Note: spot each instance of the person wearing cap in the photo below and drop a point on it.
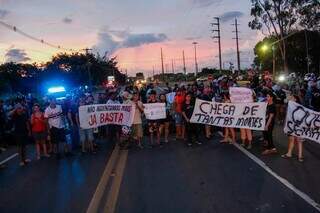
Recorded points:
(22, 130)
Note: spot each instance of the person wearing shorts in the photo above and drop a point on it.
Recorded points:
(55, 120)
(39, 131)
(137, 130)
(179, 121)
(153, 125)
(85, 135)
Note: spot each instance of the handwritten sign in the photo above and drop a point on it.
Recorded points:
(235, 115)
(92, 116)
(240, 95)
(155, 111)
(302, 122)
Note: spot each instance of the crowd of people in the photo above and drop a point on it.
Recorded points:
(53, 125)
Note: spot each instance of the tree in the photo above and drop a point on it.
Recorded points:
(76, 69)
(296, 57)
(280, 17)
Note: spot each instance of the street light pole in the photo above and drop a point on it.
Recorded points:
(273, 62)
(195, 56)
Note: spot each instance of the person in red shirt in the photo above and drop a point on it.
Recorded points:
(39, 130)
(177, 105)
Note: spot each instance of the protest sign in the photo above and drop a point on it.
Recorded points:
(240, 95)
(302, 122)
(92, 116)
(236, 115)
(155, 111)
(170, 97)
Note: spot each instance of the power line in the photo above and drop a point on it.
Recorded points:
(42, 41)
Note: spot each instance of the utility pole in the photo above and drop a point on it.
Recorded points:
(153, 71)
(195, 57)
(217, 30)
(237, 42)
(184, 64)
(162, 65)
(89, 67)
(172, 66)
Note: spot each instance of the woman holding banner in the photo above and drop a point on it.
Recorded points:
(294, 140)
(270, 121)
(153, 125)
(228, 130)
(164, 123)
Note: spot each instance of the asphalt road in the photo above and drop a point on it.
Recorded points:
(51, 185)
(175, 178)
(208, 178)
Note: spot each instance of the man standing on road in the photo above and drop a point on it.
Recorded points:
(22, 130)
(55, 120)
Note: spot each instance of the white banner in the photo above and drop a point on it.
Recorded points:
(170, 97)
(92, 116)
(235, 115)
(155, 111)
(240, 95)
(302, 122)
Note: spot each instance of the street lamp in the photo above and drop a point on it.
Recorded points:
(264, 49)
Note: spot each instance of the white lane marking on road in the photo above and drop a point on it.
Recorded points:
(281, 179)
(112, 198)
(9, 158)
(96, 199)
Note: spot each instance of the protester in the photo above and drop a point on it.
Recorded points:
(56, 125)
(22, 131)
(137, 130)
(165, 123)
(228, 130)
(191, 128)
(270, 122)
(153, 125)
(295, 140)
(85, 135)
(39, 130)
(179, 121)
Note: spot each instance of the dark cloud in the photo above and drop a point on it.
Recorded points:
(3, 13)
(106, 43)
(16, 55)
(135, 40)
(193, 38)
(228, 16)
(204, 3)
(67, 20)
(111, 40)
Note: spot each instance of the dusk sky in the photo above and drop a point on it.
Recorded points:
(132, 30)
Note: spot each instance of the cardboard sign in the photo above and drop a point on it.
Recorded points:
(240, 95)
(155, 111)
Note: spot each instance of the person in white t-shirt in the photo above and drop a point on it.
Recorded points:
(137, 130)
(56, 123)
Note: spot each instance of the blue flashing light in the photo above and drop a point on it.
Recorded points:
(56, 89)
